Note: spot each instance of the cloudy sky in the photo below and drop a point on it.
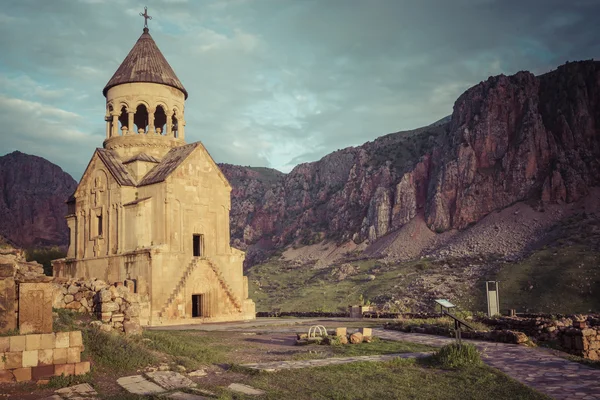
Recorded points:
(273, 82)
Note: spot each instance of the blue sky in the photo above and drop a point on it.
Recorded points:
(273, 82)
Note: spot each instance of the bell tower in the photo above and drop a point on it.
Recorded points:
(144, 103)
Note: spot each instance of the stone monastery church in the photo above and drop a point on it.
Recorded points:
(155, 210)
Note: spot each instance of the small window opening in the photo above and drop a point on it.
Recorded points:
(160, 120)
(99, 220)
(198, 245)
(140, 119)
(197, 305)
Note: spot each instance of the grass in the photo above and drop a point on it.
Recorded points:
(377, 346)
(187, 347)
(457, 355)
(279, 285)
(443, 322)
(556, 280)
(397, 379)
(117, 353)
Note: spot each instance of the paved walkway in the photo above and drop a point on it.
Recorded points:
(539, 369)
(278, 365)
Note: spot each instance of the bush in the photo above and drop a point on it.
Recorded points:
(458, 356)
(44, 256)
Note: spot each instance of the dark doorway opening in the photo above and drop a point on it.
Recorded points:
(197, 305)
(198, 245)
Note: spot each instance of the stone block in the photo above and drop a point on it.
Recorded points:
(33, 342)
(74, 305)
(129, 284)
(69, 299)
(64, 369)
(46, 357)
(110, 306)
(105, 295)
(4, 344)
(132, 328)
(62, 340)
(73, 289)
(30, 358)
(106, 316)
(42, 372)
(341, 331)
(14, 359)
(73, 355)
(75, 339)
(6, 376)
(118, 318)
(47, 341)
(366, 331)
(22, 374)
(82, 368)
(8, 317)
(35, 307)
(356, 338)
(60, 356)
(17, 343)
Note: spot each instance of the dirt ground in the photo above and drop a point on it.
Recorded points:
(245, 345)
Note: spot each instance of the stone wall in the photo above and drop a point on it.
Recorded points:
(41, 356)
(576, 334)
(500, 335)
(116, 306)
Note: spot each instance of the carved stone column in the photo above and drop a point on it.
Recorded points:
(115, 124)
(169, 123)
(130, 124)
(182, 129)
(107, 119)
(151, 129)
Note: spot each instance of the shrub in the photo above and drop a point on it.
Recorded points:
(44, 256)
(458, 356)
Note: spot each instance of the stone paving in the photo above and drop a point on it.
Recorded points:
(78, 392)
(245, 389)
(549, 374)
(170, 380)
(137, 384)
(278, 365)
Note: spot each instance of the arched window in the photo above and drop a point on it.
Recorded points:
(140, 118)
(123, 119)
(160, 120)
(174, 126)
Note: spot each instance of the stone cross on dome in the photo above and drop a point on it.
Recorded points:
(146, 17)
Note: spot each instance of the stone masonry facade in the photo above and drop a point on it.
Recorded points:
(41, 356)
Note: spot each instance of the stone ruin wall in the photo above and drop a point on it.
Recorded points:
(575, 334)
(120, 306)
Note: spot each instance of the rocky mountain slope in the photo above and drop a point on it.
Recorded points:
(510, 139)
(32, 201)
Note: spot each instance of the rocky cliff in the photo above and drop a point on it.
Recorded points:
(509, 139)
(32, 201)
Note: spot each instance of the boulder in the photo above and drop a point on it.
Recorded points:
(132, 328)
(356, 338)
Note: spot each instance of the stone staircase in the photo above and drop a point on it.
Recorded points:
(190, 268)
(232, 297)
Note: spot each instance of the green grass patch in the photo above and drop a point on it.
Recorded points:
(57, 382)
(398, 379)
(378, 346)
(189, 348)
(457, 355)
(556, 280)
(442, 322)
(115, 352)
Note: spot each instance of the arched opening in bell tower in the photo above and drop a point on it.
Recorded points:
(123, 119)
(174, 127)
(160, 120)
(141, 118)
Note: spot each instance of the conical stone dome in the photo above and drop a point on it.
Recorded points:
(145, 63)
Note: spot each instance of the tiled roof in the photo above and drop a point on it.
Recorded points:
(168, 164)
(142, 157)
(115, 166)
(145, 63)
